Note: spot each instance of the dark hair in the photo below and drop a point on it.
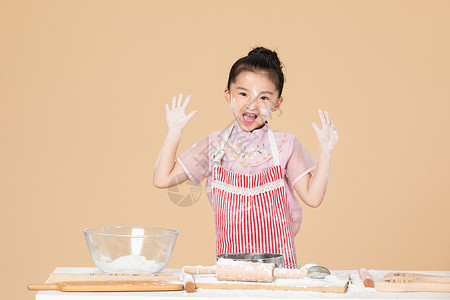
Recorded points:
(257, 60)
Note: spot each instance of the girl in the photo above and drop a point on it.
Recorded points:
(250, 170)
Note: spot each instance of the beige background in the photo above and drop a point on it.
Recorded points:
(82, 91)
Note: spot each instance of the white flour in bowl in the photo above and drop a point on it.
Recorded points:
(131, 264)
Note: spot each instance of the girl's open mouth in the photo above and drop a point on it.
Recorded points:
(249, 118)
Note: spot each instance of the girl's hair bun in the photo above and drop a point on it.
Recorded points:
(259, 59)
(272, 55)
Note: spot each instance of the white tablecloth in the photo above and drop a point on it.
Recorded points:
(355, 291)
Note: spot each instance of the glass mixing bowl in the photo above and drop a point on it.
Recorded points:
(130, 249)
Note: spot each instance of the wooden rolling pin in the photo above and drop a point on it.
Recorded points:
(365, 277)
(232, 270)
(188, 282)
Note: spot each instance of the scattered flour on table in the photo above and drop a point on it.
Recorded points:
(331, 280)
(131, 264)
(355, 288)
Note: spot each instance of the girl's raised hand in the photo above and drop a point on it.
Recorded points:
(327, 135)
(176, 117)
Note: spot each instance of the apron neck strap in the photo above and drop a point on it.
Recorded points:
(226, 137)
(273, 147)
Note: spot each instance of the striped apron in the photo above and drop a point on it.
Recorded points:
(252, 214)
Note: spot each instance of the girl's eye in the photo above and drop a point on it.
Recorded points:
(243, 94)
(264, 98)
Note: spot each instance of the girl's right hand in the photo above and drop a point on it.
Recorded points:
(176, 117)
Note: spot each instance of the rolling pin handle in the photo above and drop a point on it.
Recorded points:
(199, 270)
(189, 283)
(42, 287)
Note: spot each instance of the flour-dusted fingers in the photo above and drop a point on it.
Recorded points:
(331, 124)
(174, 102)
(167, 110)
(180, 100)
(190, 115)
(316, 128)
(322, 119)
(186, 102)
(176, 117)
(334, 136)
(326, 135)
(327, 118)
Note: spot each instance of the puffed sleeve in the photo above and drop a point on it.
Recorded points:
(300, 163)
(195, 161)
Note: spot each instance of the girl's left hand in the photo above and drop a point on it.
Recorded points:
(327, 135)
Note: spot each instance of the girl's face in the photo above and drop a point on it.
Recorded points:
(253, 98)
